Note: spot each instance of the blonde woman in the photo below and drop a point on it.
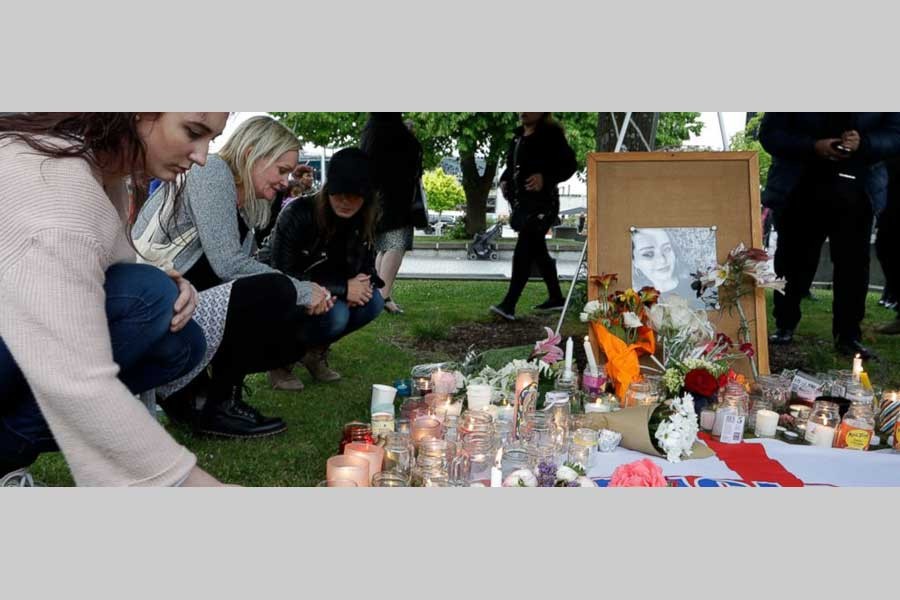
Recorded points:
(209, 237)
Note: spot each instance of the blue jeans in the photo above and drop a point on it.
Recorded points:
(341, 320)
(139, 302)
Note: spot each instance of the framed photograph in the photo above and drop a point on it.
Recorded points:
(665, 258)
(656, 217)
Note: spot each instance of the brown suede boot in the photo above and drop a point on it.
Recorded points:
(284, 379)
(316, 360)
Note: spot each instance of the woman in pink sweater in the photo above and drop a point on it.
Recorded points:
(82, 328)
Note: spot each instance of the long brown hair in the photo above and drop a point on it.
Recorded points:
(109, 142)
(327, 221)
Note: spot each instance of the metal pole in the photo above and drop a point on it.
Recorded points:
(722, 130)
(622, 132)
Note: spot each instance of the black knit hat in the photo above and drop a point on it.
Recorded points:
(349, 172)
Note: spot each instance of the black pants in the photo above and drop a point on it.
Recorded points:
(262, 314)
(840, 210)
(531, 248)
(888, 232)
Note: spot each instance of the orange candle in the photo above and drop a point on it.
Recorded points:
(373, 454)
(349, 468)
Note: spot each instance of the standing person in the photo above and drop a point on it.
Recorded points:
(83, 329)
(330, 239)
(396, 157)
(827, 180)
(210, 236)
(538, 159)
(888, 233)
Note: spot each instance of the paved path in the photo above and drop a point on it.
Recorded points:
(453, 264)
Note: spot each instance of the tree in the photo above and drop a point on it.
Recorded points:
(444, 192)
(747, 140)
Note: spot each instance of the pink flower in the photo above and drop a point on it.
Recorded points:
(640, 473)
(548, 350)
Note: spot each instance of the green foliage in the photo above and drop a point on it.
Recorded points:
(458, 230)
(677, 127)
(444, 192)
(746, 140)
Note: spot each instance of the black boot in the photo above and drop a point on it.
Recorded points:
(234, 418)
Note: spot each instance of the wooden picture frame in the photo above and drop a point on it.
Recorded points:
(677, 189)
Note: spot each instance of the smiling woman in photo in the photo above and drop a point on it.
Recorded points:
(665, 258)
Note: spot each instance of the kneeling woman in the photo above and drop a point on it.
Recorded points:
(245, 304)
(329, 239)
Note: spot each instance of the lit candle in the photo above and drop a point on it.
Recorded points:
(707, 419)
(592, 362)
(504, 412)
(524, 378)
(766, 423)
(570, 346)
(348, 468)
(425, 427)
(857, 367)
(598, 406)
(369, 452)
(824, 436)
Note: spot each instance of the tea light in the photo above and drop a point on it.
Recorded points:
(348, 468)
(425, 427)
(370, 452)
(597, 406)
(766, 423)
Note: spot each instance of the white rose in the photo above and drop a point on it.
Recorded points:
(525, 476)
(567, 474)
(631, 320)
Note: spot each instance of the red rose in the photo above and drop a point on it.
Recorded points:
(701, 383)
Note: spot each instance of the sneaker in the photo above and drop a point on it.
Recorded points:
(889, 328)
(237, 419)
(18, 478)
(556, 305)
(499, 309)
(284, 379)
(316, 362)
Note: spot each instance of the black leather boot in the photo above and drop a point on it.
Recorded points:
(234, 418)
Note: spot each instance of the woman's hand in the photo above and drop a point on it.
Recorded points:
(322, 301)
(359, 290)
(535, 183)
(186, 302)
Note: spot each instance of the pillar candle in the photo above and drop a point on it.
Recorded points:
(373, 454)
(348, 468)
(766, 423)
(824, 436)
(857, 367)
(592, 362)
(570, 346)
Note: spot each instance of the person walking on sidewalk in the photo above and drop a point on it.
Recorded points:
(538, 159)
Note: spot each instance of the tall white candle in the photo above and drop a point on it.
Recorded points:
(592, 362)
(857, 367)
(766, 423)
(570, 346)
(824, 436)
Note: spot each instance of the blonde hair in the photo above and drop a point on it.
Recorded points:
(257, 138)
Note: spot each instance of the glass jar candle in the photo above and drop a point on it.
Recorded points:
(425, 427)
(822, 424)
(474, 460)
(581, 450)
(412, 408)
(356, 432)
(641, 393)
(858, 425)
(351, 468)
(592, 384)
(514, 458)
(475, 421)
(370, 452)
(775, 389)
(731, 414)
(382, 424)
(759, 404)
(389, 479)
(398, 453)
(888, 410)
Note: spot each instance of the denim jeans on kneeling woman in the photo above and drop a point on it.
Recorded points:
(139, 309)
(341, 320)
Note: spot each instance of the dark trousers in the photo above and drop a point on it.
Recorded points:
(834, 208)
(886, 245)
(340, 321)
(139, 301)
(531, 248)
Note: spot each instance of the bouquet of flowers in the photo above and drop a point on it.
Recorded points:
(619, 321)
(549, 475)
(505, 378)
(668, 429)
(701, 373)
(723, 286)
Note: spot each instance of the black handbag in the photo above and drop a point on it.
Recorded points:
(419, 207)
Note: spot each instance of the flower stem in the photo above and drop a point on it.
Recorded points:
(744, 334)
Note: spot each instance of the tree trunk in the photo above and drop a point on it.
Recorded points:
(477, 188)
(606, 131)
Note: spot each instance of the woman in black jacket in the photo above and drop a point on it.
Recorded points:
(538, 159)
(396, 170)
(329, 239)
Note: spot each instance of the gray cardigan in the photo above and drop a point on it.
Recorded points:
(208, 202)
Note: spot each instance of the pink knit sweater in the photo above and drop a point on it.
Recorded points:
(59, 232)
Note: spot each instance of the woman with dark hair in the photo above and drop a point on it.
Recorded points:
(329, 239)
(396, 157)
(83, 329)
(538, 159)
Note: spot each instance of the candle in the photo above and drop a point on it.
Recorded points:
(504, 412)
(369, 452)
(592, 362)
(597, 406)
(348, 468)
(493, 410)
(444, 382)
(425, 427)
(766, 423)
(496, 471)
(570, 346)
(707, 419)
(824, 436)
(857, 367)
(720, 419)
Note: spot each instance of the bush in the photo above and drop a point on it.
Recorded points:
(457, 231)
(444, 191)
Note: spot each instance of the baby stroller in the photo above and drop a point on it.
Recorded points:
(483, 245)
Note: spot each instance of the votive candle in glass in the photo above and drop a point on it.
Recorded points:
(370, 452)
(425, 427)
(766, 423)
(350, 468)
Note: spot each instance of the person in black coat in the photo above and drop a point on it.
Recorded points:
(329, 239)
(538, 159)
(827, 180)
(888, 233)
(396, 157)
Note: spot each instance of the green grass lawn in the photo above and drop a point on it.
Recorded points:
(384, 352)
